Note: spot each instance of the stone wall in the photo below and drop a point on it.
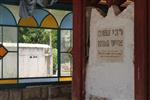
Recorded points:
(53, 92)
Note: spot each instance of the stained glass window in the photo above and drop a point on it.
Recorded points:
(37, 49)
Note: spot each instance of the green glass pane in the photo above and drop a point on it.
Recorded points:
(10, 38)
(10, 65)
(66, 40)
(66, 64)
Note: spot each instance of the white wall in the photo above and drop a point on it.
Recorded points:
(112, 80)
(34, 60)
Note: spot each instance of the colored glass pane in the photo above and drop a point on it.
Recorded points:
(62, 79)
(3, 51)
(67, 21)
(8, 81)
(6, 17)
(49, 22)
(39, 15)
(38, 80)
(28, 22)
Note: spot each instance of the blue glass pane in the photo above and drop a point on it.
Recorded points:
(6, 18)
(38, 80)
(39, 15)
(67, 21)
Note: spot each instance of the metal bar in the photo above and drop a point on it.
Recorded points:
(17, 55)
(59, 49)
(2, 58)
(12, 51)
(36, 27)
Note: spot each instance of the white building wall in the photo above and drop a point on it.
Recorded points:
(34, 60)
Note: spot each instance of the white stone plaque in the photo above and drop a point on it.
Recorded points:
(110, 45)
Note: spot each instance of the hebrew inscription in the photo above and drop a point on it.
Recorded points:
(110, 45)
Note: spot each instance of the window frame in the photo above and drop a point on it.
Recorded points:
(61, 80)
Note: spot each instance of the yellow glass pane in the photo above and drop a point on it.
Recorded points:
(62, 79)
(49, 22)
(28, 22)
(8, 81)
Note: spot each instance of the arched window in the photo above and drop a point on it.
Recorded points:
(36, 50)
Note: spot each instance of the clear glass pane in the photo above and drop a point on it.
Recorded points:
(10, 65)
(38, 52)
(66, 64)
(10, 38)
(66, 40)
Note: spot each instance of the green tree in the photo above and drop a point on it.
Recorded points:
(38, 35)
(55, 60)
(54, 38)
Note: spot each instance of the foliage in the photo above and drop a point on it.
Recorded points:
(54, 38)
(55, 60)
(38, 35)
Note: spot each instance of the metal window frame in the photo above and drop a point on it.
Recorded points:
(38, 83)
